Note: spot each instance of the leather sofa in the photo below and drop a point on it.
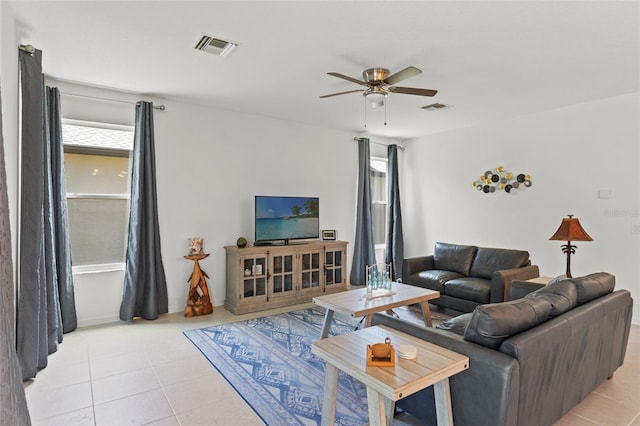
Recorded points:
(468, 276)
(533, 359)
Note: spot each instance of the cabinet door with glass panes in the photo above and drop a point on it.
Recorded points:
(310, 271)
(254, 270)
(334, 266)
(281, 274)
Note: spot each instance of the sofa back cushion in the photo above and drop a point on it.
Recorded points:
(593, 286)
(454, 257)
(489, 260)
(491, 324)
(562, 294)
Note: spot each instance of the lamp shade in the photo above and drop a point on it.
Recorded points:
(571, 230)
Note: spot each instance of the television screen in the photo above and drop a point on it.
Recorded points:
(286, 218)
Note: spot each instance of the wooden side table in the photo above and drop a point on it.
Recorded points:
(385, 385)
(198, 300)
(540, 280)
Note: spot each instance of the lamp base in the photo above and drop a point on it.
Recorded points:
(569, 249)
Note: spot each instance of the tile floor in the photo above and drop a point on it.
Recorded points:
(148, 373)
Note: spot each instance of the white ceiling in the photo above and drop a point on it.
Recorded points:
(490, 60)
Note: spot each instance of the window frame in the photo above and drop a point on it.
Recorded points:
(385, 202)
(108, 152)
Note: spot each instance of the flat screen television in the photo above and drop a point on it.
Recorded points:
(286, 218)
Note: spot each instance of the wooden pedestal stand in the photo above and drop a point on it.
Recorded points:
(198, 302)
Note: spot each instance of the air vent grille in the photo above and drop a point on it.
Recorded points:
(435, 107)
(215, 45)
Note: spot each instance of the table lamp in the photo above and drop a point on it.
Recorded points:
(570, 230)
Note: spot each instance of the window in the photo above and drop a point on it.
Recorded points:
(97, 178)
(378, 177)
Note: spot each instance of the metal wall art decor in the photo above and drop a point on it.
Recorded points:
(499, 179)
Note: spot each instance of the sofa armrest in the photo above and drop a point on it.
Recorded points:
(501, 281)
(520, 289)
(486, 393)
(414, 265)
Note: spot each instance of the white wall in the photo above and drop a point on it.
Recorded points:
(571, 153)
(210, 164)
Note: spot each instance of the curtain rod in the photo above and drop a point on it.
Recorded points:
(31, 50)
(160, 107)
(379, 143)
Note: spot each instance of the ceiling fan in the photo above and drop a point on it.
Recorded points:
(379, 83)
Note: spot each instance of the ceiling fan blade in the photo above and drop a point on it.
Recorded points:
(346, 77)
(412, 91)
(402, 75)
(342, 93)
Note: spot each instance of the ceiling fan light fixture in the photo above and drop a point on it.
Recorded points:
(376, 99)
(375, 96)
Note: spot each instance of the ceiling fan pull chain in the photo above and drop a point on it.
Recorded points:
(365, 111)
(385, 111)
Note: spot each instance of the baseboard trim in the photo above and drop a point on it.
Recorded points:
(91, 322)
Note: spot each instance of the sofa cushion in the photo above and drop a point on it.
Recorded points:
(433, 279)
(469, 288)
(489, 260)
(562, 294)
(556, 279)
(491, 324)
(593, 286)
(454, 257)
(457, 324)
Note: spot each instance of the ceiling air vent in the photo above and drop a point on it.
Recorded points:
(215, 45)
(435, 107)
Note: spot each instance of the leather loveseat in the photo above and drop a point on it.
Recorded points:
(468, 276)
(531, 360)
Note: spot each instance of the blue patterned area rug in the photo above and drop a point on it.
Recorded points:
(269, 363)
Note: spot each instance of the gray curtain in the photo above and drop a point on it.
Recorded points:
(13, 404)
(364, 246)
(145, 286)
(39, 317)
(59, 220)
(394, 248)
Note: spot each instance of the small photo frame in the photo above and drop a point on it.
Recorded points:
(257, 269)
(328, 234)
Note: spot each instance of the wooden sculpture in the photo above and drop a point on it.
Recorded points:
(198, 301)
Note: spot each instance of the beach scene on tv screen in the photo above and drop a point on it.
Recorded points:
(283, 218)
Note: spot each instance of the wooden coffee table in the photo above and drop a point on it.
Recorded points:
(353, 303)
(385, 385)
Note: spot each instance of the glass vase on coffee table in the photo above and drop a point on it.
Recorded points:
(378, 278)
